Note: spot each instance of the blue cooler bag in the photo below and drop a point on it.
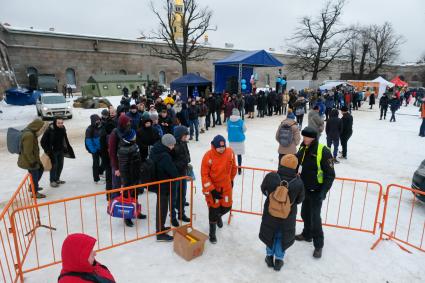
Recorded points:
(124, 208)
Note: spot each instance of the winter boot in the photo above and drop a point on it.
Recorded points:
(220, 222)
(300, 237)
(317, 253)
(128, 222)
(174, 222)
(213, 238)
(239, 171)
(54, 184)
(184, 218)
(269, 261)
(278, 263)
(141, 216)
(39, 195)
(164, 238)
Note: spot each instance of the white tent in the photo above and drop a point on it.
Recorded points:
(331, 85)
(383, 83)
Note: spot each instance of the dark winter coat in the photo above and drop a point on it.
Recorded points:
(307, 158)
(194, 112)
(249, 103)
(29, 158)
(219, 103)
(166, 129)
(183, 115)
(383, 102)
(372, 99)
(181, 156)
(55, 139)
(269, 224)
(347, 125)
(203, 110)
(164, 166)
(146, 137)
(394, 104)
(334, 125)
(129, 161)
(135, 119)
(211, 104)
(228, 109)
(108, 126)
(92, 138)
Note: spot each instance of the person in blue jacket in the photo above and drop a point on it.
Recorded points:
(135, 117)
(236, 135)
(92, 142)
(321, 105)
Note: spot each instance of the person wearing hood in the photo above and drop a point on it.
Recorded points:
(316, 169)
(315, 121)
(108, 125)
(383, 105)
(147, 136)
(394, 106)
(333, 132)
(183, 116)
(92, 143)
(218, 170)
(165, 169)
(155, 121)
(129, 164)
(135, 116)
(278, 234)
(181, 158)
(288, 135)
(56, 144)
(123, 128)
(78, 261)
(165, 122)
(29, 156)
(236, 129)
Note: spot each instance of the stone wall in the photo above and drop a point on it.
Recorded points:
(54, 53)
(6, 74)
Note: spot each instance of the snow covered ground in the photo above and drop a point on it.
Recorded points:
(379, 150)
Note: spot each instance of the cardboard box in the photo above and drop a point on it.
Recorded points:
(188, 242)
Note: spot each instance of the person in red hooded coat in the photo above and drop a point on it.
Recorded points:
(79, 264)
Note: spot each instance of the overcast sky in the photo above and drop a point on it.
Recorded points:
(247, 24)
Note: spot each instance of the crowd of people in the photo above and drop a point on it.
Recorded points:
(148, 131)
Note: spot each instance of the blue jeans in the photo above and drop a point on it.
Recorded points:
(36, 176)
(277, 250)
(335, 142)
(192, 124)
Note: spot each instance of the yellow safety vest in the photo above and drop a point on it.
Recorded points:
(318, 161)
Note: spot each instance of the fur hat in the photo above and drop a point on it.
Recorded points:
(309, 132)
(168, 140)
(289, 161)
(218, 141)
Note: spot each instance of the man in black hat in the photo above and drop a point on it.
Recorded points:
(316, 169)
(347, 130)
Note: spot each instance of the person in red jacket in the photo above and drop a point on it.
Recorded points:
(78, 261)
(218, 171)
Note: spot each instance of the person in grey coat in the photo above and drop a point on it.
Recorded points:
(315, 121)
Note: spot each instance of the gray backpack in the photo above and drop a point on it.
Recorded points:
(13, 138)
(286, 135)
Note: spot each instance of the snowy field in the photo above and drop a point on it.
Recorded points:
(379, 150)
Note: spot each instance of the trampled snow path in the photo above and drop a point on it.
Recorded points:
(379, 150)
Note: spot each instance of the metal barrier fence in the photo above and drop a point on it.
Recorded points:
(350, 204)
(403, 219)
(88, 214)
(23, 196)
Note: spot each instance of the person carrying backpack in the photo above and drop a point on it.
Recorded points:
(29, 155)
(78, 261)
(284, 191)
(288, 135)
(300, 107)
(236, 129)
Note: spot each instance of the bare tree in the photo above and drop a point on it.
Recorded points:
(421, 59)
(358, 49)
(319, 41)
(385, 46)
(195, 22)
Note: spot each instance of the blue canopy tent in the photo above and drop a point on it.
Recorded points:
(21, 96)
(240, 66)
(187, 84)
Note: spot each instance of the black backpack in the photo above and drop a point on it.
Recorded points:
(148, 171)
(286, 135)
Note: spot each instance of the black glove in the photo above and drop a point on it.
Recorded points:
(216, 195)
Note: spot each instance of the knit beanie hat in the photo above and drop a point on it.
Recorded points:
(289, 161)
(146, 116)
(309, 132)
(154, 116)
(168, 140)
(180, 131)
(235, 112)
(218, 141)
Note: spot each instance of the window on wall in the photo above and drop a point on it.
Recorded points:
(267, 79)
(162, 78)
(70, 77)
(122, 72)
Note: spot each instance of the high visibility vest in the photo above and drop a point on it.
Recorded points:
(318, 161)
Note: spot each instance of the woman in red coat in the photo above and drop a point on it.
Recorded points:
(79, 264)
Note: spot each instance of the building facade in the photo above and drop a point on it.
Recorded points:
(74, 58)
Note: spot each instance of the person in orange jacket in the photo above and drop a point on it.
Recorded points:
(218, 171)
